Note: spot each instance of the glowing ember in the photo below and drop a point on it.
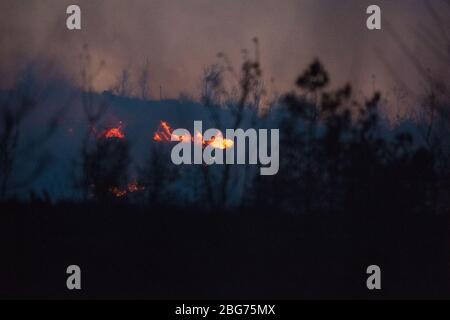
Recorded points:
(118, 192)
(164, 134)
(132, 187)
(114, 133)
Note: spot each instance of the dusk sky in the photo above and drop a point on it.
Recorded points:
(180, 38)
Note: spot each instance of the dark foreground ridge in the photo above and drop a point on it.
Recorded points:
(256, 253)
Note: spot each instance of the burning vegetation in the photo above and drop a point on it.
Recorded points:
(107, 165)
(114, 133)
(132, 187)
(164, 134)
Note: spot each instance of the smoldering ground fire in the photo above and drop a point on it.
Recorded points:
(116, 132)
(209, 147)
(111, 144)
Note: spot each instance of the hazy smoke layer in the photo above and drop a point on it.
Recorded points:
(180, 37)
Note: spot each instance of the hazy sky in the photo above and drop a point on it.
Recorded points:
(181, 37)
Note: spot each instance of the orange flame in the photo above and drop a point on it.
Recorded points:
(132, 187)
(164, 134)
(219, 142)
(114, 133)
(119, 193)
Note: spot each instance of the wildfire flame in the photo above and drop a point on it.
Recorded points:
(219, 142)
(117, 192)
(132, 187)
(114, 133)
(164, 134)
